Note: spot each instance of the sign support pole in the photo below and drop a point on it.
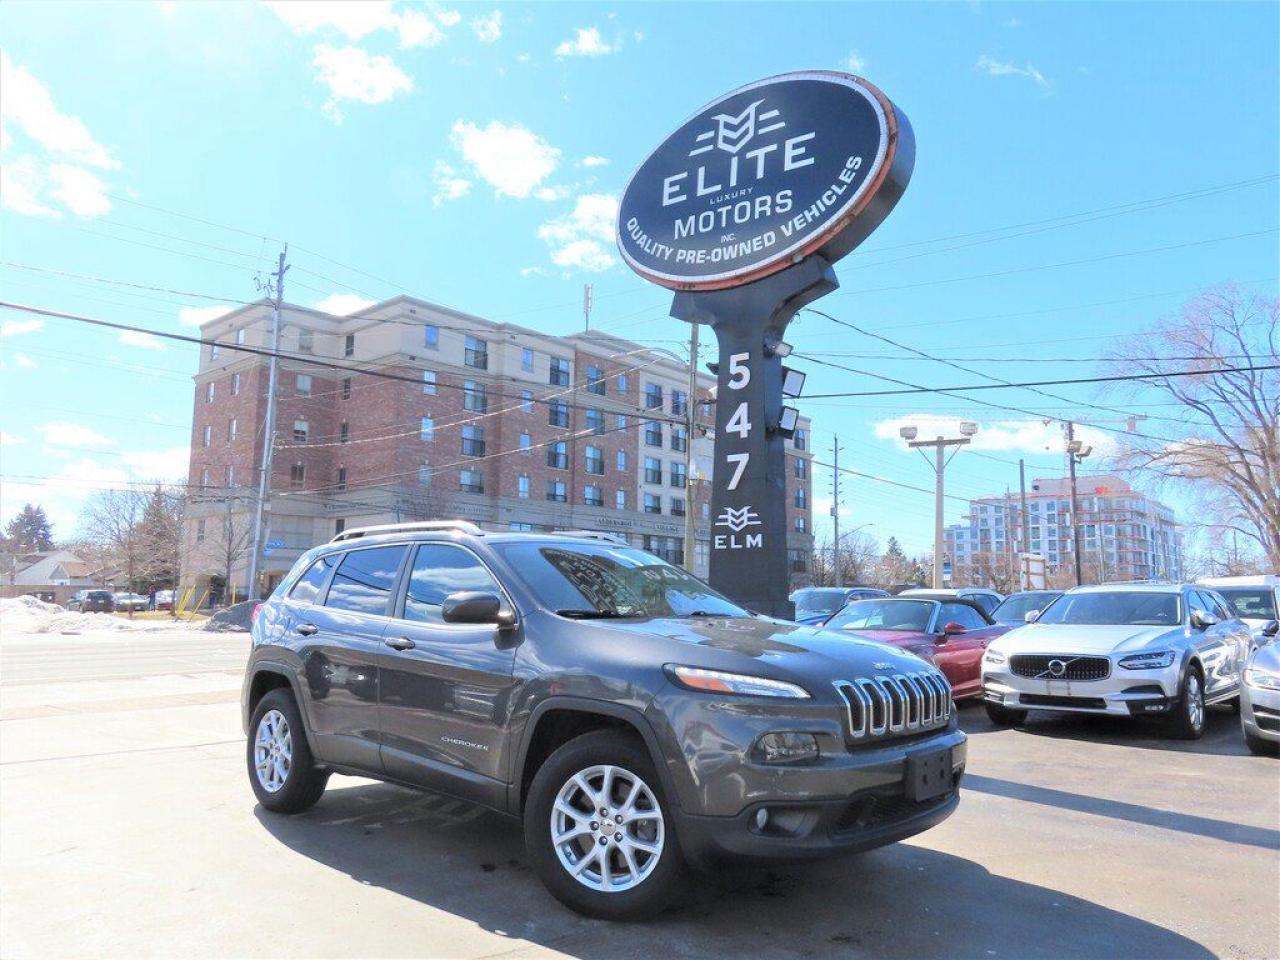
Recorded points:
(749, 559)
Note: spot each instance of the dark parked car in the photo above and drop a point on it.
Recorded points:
(1013, 611)
(815, 604)
(945, 630)
(92, 601)
(635, 720)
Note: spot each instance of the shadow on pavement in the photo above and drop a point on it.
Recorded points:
(898, 902)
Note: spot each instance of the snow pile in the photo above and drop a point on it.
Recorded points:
(233, 619)
(33, 615)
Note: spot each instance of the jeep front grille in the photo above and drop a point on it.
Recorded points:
(1063, 666)
(905, 703)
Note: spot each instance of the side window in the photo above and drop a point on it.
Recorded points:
(1199, 602)
(962, 614)
(439, 570)
(1220, 608)
(364, 580)
(307, 589)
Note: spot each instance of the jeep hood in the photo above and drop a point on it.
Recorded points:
(1082, 638)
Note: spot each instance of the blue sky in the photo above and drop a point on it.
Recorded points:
(471, 154)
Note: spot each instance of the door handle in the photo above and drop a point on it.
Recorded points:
(306, 629)
(400, 643)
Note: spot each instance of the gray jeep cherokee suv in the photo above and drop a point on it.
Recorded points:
(636, 720)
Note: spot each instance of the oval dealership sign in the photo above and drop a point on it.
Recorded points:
(796, 164)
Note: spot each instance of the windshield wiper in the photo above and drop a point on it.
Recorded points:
(591, 614)
(708, 613)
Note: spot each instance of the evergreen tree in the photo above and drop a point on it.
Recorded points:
(30, 530)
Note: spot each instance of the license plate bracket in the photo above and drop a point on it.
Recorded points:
(929, 775)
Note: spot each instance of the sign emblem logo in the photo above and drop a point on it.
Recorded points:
(738, 520)
(733, 133)
(1057, 668)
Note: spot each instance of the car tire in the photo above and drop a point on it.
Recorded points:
(603, 852)
(282, 770)
(1187, 721)
(1003, 716)
(1260, 747)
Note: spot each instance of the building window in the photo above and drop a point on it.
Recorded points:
(206, 435)
(474, 397)
(424, 473)
(620, 421)
(595, 420)
(595, 461)
(522, 487)
(429, 382)
(476, 353)
(801, 498)
(653, 396)
(428, 431)
(471, 481)
(519, 527)
(473, 441)
(213, 351)
(679, 439)
(801, 525)
(679, 402)
(204, 477)
(199, 531)
(652, 434)
(349, 346)
(678, 475)
(706, 511)
(622, 460)
(802, 468)
(240, 337)
(559, 372)
(346, 388)
(231, 475)
(526, 401)
(622, 384)
(342, 478)
(592, 496)
(208, 392)
(652, 503)
(620, 500)
(302, 385)
(344, 432)
(670, 549)
(799, 560)
(339, 525)
(557, 491)
(677, 506)
(799, 440)
(297, 475)
(301, 431)
(558, 456)
(235, 384)
(558, 413)
(431, 337)
(526, 359)
(232, 425)
(306, 341)
(595, 381)
(652, 470)
(526, 442)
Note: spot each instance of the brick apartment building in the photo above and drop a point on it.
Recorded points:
(490, 422)
(1124, 534)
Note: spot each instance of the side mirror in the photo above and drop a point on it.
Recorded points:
(1271, 629)
(952, 629)
(1201, 620)
(1032, 616)
(472, 607)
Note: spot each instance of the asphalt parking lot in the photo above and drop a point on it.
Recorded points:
(129, 830)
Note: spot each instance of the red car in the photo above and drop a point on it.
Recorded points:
(948, 632)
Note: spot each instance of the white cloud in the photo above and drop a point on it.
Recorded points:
(996, 68)
(416, 29)
(594, 160)
(22, 181)
(27, 105)
(854, 62)
(449, 186)
(583, 238)
(72, 435)
(343, 304)
(25, 362)
(168, 464)
(79, 190)
(352, 74)
(1015, 436)
(199, 316)
(136, 338)
(586, 42)
(10, 439)
(509, 157)
(15, 328)
(448, 18)
(532, 272)
(488, 29)
(551, 194)
(357, 19)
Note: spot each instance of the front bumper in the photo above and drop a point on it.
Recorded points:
(1260, 712)
(1124, 693)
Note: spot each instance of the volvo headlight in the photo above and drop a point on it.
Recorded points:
(1262, 679)
(993, 657)
(716, 681)
(1147, 661)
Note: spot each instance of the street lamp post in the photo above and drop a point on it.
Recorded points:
(1076, 451)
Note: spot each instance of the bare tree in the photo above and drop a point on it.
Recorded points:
(1229, 450)
(987, 569)
(859, 558)
(112, 521)
(235, 532)
(161, 531)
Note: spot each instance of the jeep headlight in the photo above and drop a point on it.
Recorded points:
(1147, 661)
(716, 681)
(993, 657)
(1262, 679)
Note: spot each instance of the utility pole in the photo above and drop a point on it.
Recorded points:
(691, 425)
(835, 511)
(587, 298)
(276, 288)
(967, 429)
(1073, 449)
(1026, 520)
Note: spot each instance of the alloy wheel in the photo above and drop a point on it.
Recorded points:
(1195, 702)
(273, 751)
(607, 828)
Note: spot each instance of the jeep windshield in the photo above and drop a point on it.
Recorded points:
(596, 581)
(819, 600)
(1132, 608)
(887, 614)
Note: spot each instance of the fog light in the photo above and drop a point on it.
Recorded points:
(786, 748)
(762, 818)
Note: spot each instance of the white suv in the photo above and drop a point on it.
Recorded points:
(1126, 649)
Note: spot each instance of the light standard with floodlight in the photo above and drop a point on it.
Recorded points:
(909, 433)
(1076, 451)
